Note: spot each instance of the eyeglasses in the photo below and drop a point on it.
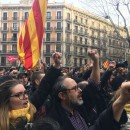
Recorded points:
(76, 87)
(21, 95)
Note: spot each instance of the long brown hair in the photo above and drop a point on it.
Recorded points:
(5, 93)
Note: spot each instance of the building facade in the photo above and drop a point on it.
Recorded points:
(68, 29)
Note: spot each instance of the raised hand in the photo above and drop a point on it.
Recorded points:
(57, 59)
(93, 54)
(112, 65)
(125, 92)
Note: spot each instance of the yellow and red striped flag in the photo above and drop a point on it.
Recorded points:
(105, 64)
(30, 38)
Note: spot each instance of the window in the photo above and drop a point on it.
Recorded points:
(48, 60)
(76, 29)
(68, 37)
(92, 23)
(76, 18)
(14, 37)
(5, 16)
(15, 16)
(68, 49)
(48, 25)
(81, 51)
(5, 26)
(14, 48)
(68, 16)
(86, 31)
(75, 38)
(92, 33)
(81, 20)
(26, 15)
(85, 61)
(80, 61)
(93, 41)
(58, 48)
(86, 41)
(48, 48)
(75, 61)
(3, 60)
(75, 50)
(68, 26)
(4, 36)
(48, 15)
(48, 36)
(14, 26)
(81, 40)
(4, 48)
(81, 30)
(58, 25)
(58, 36)
(58, 14)
(86, 21)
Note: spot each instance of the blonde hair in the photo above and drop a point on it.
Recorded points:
(5, 94)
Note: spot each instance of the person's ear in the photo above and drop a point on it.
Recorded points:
(62, 95)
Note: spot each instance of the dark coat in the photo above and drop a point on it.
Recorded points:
(90, 93)
(104, 122)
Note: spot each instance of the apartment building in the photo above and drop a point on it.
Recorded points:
(68, 29)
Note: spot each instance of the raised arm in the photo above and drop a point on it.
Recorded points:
(95, 74)
(47, 82)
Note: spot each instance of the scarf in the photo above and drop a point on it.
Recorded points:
(14, 114)
(127, 108)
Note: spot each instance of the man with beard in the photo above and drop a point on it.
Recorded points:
(75, 109)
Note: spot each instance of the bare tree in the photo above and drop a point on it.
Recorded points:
(106, 8)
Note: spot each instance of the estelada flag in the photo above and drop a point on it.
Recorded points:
(105, 64)
(30, 38)
(12, 58)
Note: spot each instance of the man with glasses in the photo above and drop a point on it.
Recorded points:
(72, 107)
(73, 111)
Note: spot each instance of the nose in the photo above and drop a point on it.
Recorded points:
(25, 96)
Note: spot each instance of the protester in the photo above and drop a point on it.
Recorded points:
(36, 79)
(69, 104)
(15, 109)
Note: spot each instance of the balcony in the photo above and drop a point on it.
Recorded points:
(76, 21)
(14, 18)
(48, 29)
(4, 18)
(58, 29)
(59, 17)
(4, 29)
(48, 18)
(69, 20)
(51, 40)
(68, 53)
(48, 53)
(14, 29)
(85, 33)
(81, 33)
(68, 30)
(79, 54)
(8, 51)
(24, 18)
(69, 41)
(8, 40)
(75, 31)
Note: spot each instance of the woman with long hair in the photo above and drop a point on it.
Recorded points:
(15, 109)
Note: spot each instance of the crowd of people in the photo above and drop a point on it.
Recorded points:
(55, 98)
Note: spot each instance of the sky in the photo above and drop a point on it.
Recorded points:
(94, 6)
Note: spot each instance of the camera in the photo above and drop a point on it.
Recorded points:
(122, 64)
